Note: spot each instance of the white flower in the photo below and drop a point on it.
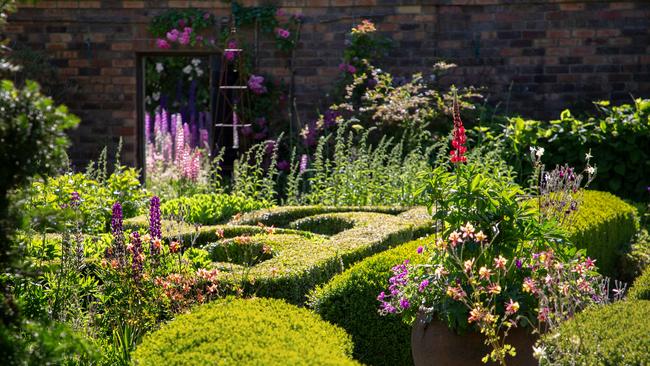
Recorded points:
(539, 152)
(591, 170)
(156, 96)
(159, 67)
(539, 352)
(196, 62)
(588, 155)
(187, 69)
(199, 72)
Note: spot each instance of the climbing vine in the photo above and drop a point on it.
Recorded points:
(184, 27)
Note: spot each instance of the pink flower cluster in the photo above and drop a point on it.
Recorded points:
(282, 33)
(231, 55)
(256, 84)
(175, 36)
(175, 145)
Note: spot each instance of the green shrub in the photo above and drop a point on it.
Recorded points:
(618, 139)
(324, 224)
(349, 300)
(604, 226)
(617, 334)
(246, 332)
(640, 290)
(298, 263)
(210, 209)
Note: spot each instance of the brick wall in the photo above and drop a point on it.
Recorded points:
(536, 57)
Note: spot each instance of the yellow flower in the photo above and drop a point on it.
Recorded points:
(494, 289)
(480, 236)
(485, 273)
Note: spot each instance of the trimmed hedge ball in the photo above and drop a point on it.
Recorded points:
(604, 225)
(349, 300)
(246, 332)
(617, 334)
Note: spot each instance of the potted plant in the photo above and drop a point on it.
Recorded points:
(499, 272)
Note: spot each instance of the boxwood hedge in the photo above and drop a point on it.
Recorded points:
(282, 216)
(640, 290)
(349, 300)
(246, 332)
(617, 334)
(298, 263)
(604, 225)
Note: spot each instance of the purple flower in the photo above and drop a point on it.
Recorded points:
(423, 285)
(147, 127)
(282, 33)
(256, 84)
(162, 43)
(185, 37)
(404, 303)
(230, 55)
(137, 261)
(172, 35)
(304, 162)
(75, 200)
(388, 308)
(206, 15)
(280, 13)
(181, 23)
(420, 249)
(351, 69)
(155, 227)
(283, 165)
(381, 296)
(116, 221)
(518, 263)
(329, 118)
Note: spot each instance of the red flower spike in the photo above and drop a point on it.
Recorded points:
(459, 138)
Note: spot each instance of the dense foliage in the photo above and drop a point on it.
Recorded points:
(210, 209)
(98, 192)
(252, 332)
(611, 335)
(617, 137)
(348, 300)
(33, 143)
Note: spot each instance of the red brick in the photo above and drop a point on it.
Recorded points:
(558, 34)
(572, 6)
(122, 46)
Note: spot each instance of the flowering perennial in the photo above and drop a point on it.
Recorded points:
(459, 140)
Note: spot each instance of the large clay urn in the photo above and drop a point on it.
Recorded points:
(433, 344)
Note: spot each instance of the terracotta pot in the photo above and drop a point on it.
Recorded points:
(433, 344)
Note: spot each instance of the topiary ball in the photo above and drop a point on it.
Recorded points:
(246, 332)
